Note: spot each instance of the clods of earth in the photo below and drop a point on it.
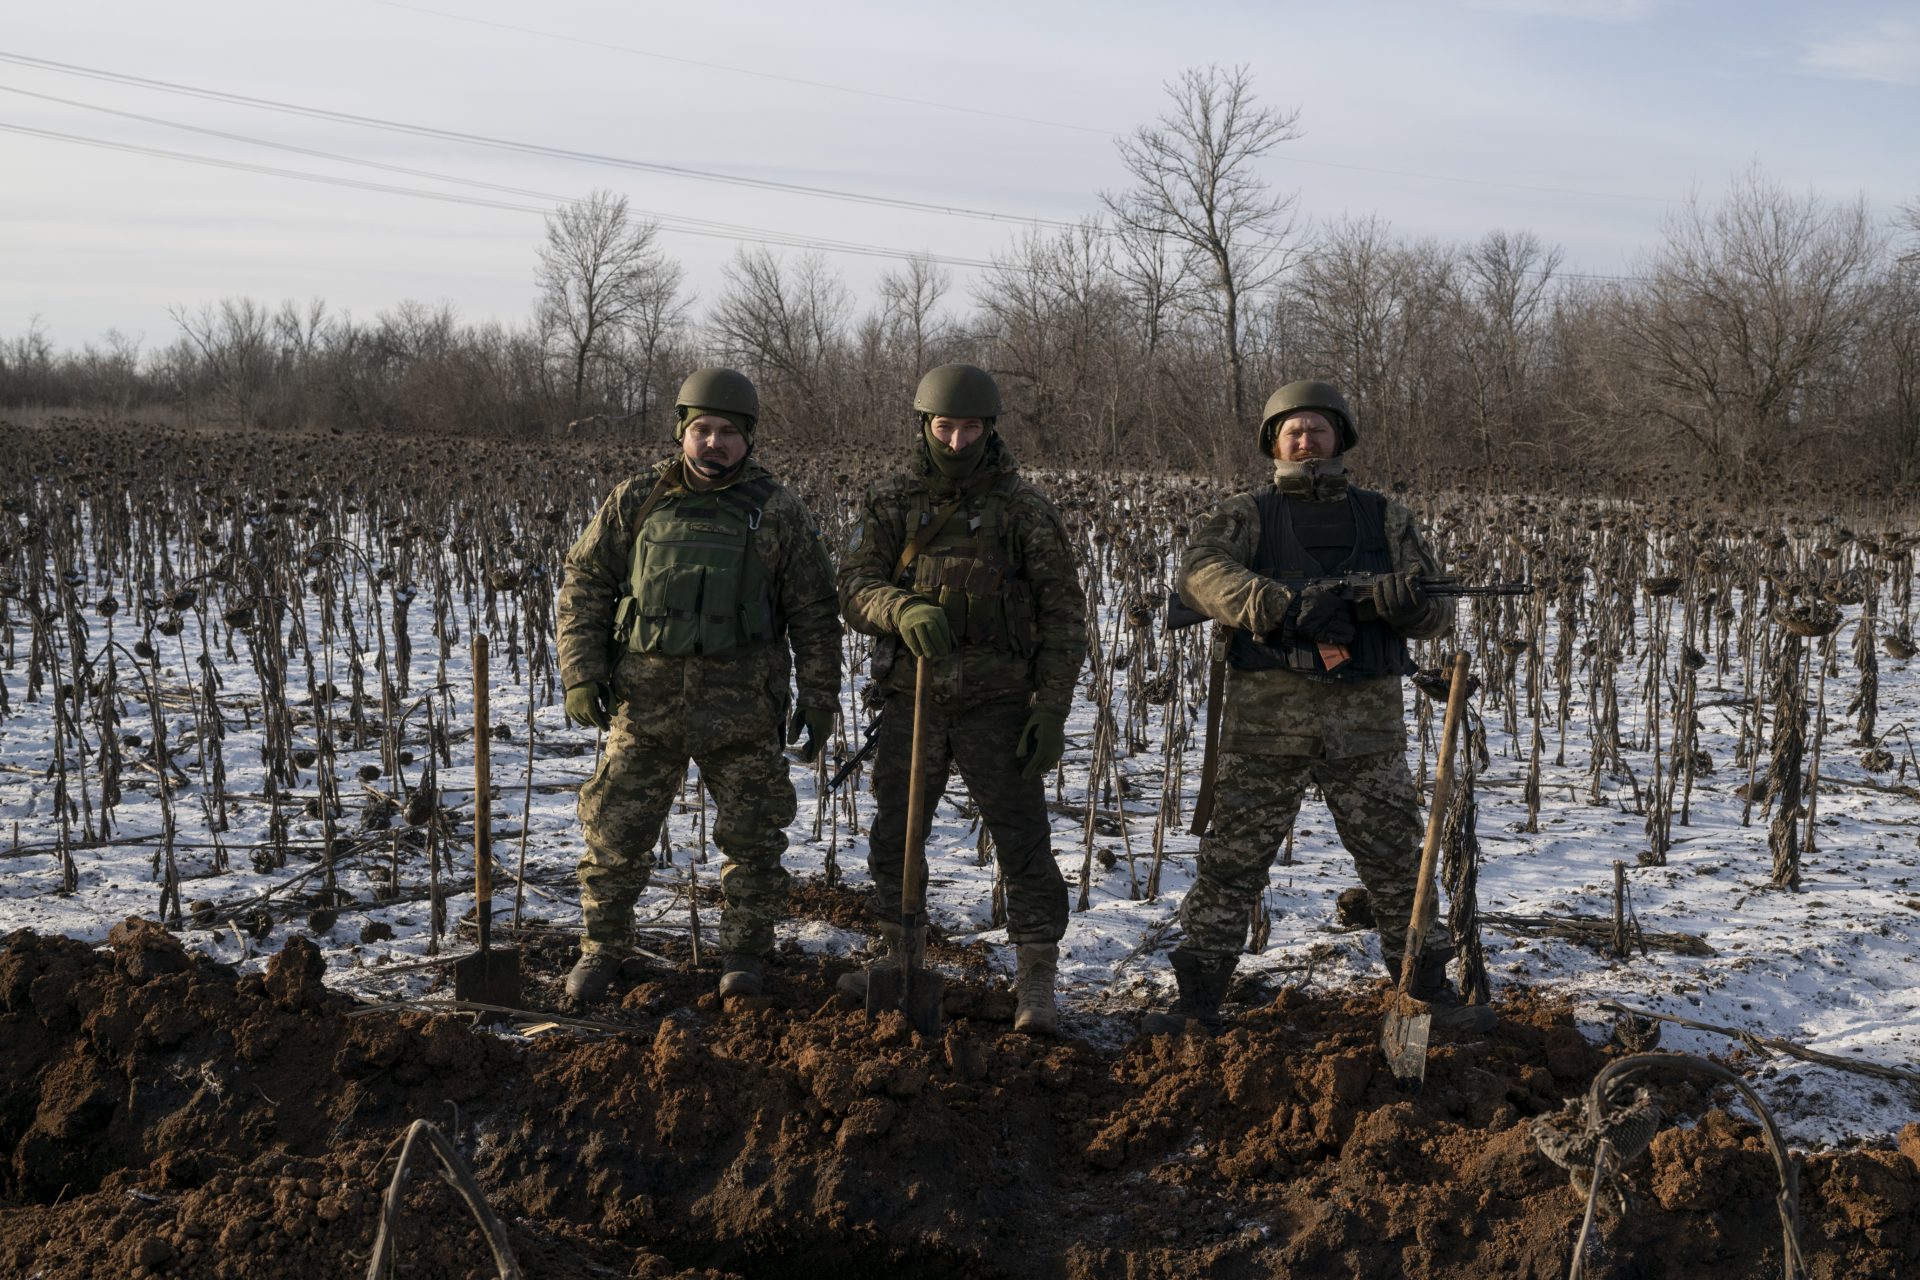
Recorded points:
(165, 1115)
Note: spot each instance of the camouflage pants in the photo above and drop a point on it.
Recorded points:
(1256, 797)
(979, 741)
(722, 714)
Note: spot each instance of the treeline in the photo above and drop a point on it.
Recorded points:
(1768, 335)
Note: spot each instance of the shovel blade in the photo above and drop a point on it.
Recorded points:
(1403, 1038)
(488, 977)
(923, 999)
(884, 983)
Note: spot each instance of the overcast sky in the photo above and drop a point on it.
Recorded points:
(1583, 121)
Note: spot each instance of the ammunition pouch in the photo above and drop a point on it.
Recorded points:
(697, 586)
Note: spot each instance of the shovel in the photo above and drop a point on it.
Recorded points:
(1403, 1036)
(910, 986)
(487, 976)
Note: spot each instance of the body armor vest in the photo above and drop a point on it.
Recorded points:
(968, 569)
(1378, 650)
(696, 584)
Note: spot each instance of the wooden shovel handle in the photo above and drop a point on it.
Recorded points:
(1423, 893)
(482, 797)
(913, 879)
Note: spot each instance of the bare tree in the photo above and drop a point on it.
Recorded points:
(1747, 299)
(1353, 284)
(1053, 305)
(1195, 181)
(597, 269)
(908, 303)
(788, 326)
(234, 350)
(1504, 286)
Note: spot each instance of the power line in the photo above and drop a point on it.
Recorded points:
(679, 223)
(1284, 158)
(668, 221)
(522, 148)
(772, 238)
(743, 71)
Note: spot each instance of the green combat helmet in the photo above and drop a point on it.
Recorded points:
(1322, 397)
(958, 391)
(726, 391)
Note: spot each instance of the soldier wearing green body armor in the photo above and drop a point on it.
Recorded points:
(680, 603)
(964, 563)
(1313, 694)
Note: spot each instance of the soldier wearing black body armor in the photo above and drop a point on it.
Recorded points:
(680, 603)
(1313, 694)
(962, 562)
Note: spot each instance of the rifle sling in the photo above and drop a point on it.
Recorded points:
(925, 534)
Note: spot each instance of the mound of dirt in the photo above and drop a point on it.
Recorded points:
(165, 1116)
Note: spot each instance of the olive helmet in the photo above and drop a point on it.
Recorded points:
(1321, 397)
(724, 391)
(958, 391)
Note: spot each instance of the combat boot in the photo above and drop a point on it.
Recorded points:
(591, 976)
(742, 974)
(885, 949)
(1203, 988)
(1033, 984)
(1431, 984)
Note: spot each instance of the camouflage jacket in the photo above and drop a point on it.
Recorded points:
(1040, 557)
(1285, 712)
(787, 543)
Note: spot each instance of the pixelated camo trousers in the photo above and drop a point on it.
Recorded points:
(725, 715)
(979, 742)
(1375, 809)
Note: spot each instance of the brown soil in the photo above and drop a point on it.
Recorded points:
(164, 1116)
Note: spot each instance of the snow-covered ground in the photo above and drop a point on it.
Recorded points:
(1833, 966)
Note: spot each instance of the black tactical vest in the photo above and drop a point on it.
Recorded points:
(696, 584)
(1378, 650)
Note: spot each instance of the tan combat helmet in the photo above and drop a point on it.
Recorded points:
(958, 391)
(1322, 397)
(719, 390)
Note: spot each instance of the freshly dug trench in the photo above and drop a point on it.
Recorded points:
(163, 1115)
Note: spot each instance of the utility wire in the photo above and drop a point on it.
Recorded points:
(778, 239)
(1283, 157)
(743, 71)
(667, 220)
(757, 236)
(524, 148)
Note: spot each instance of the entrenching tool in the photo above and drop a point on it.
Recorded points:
(1403, 1036)
(908, 984)
(488, 976)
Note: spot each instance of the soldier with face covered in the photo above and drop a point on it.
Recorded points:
(680, 603)
(1313, 694)
(962, 562)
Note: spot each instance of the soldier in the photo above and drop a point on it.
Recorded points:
(964, 563)
(1296, 709)
(680, 601)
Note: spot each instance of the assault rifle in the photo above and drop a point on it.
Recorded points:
(1357, 590)
(853, 761)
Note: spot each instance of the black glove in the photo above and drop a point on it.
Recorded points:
(816, 725)
(1400, 600)
(1322, 616)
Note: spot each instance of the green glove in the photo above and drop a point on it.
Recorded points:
(925, 630)
(1042, 741)
(590, 705)
(817, 724)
